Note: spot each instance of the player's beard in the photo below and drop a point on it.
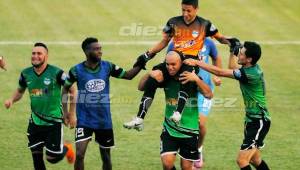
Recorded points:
(94, 59)
(38, 65)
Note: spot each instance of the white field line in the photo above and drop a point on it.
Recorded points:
(77, 43)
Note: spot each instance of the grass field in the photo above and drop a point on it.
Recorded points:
(55, 20)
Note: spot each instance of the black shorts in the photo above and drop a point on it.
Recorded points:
(255, 133)
(187, 148)
(49, 136)
(104, 137)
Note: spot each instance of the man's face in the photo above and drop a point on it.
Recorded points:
(173, 63)
(94, 52)
(188, 12)
(242, 59)
(39, 56)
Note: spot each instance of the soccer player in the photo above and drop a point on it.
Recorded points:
(44, 82)
(188, 32)
(2, 63)
(93, 101)
(209, 50)
(252, 85)
(180, 137)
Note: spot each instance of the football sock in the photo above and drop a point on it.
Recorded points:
(150, 88)
(262, 166)
(38, 161)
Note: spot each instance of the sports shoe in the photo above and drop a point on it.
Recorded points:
(70, 155)
(199, 163)
(136, 123)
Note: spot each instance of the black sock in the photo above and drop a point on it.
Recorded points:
(58, 157)
(262, 166)
(38, 161)
(174, 168)
(246, 168)
(182, 99)
(150, 88)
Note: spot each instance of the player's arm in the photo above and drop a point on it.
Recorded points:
(69, 95)
(216, 61)
(141, 85)
(210, 68)
(186, 77)
(2, 63)
(233, 62)
(161, 44)
(18, 94)
(118, 72)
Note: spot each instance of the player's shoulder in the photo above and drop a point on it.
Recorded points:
(27, 70)
(175, 19)
(54, 68)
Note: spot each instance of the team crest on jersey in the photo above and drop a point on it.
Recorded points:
(195, 34)
(95, 85)
(47, 81)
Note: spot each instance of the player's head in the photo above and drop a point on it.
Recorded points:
(39, 54)
(173, 62)
(189, 9)
(250, 53)
(92, 49)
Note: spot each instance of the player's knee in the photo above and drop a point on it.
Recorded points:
(157, 75)
(242, 162)
(255, 161)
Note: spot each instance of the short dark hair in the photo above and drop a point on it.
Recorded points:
(40, 44)
(253, 51)
(87, 42)
(194, 3)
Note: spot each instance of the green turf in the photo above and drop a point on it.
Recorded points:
(74, 20)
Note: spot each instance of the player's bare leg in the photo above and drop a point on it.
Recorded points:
(168, 161)
(80, 153)
(106, 159)
(244, 157)
(257, 162)
(202, 132)
(186, 164)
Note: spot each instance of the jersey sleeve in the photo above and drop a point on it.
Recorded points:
(61, 77)
(116, 71)
(71, 77)
(213, 53)
(169, 28)
(211, 30)
(240, 75)
(22, 82)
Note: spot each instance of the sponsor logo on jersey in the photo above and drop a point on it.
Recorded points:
(95, 85)
(47, 81)
(195, 34)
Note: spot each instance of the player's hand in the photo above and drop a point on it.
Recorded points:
(235, 45)
(191, 62)
(217, 80)
(176, 117)
(8, 103)
(143, 59)
(72, 120)
(2, 63)
(186, 77)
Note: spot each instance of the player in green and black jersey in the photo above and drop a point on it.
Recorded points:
(44, 82)
(252, 85)
(180, 131)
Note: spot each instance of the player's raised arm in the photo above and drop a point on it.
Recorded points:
(212, 69)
